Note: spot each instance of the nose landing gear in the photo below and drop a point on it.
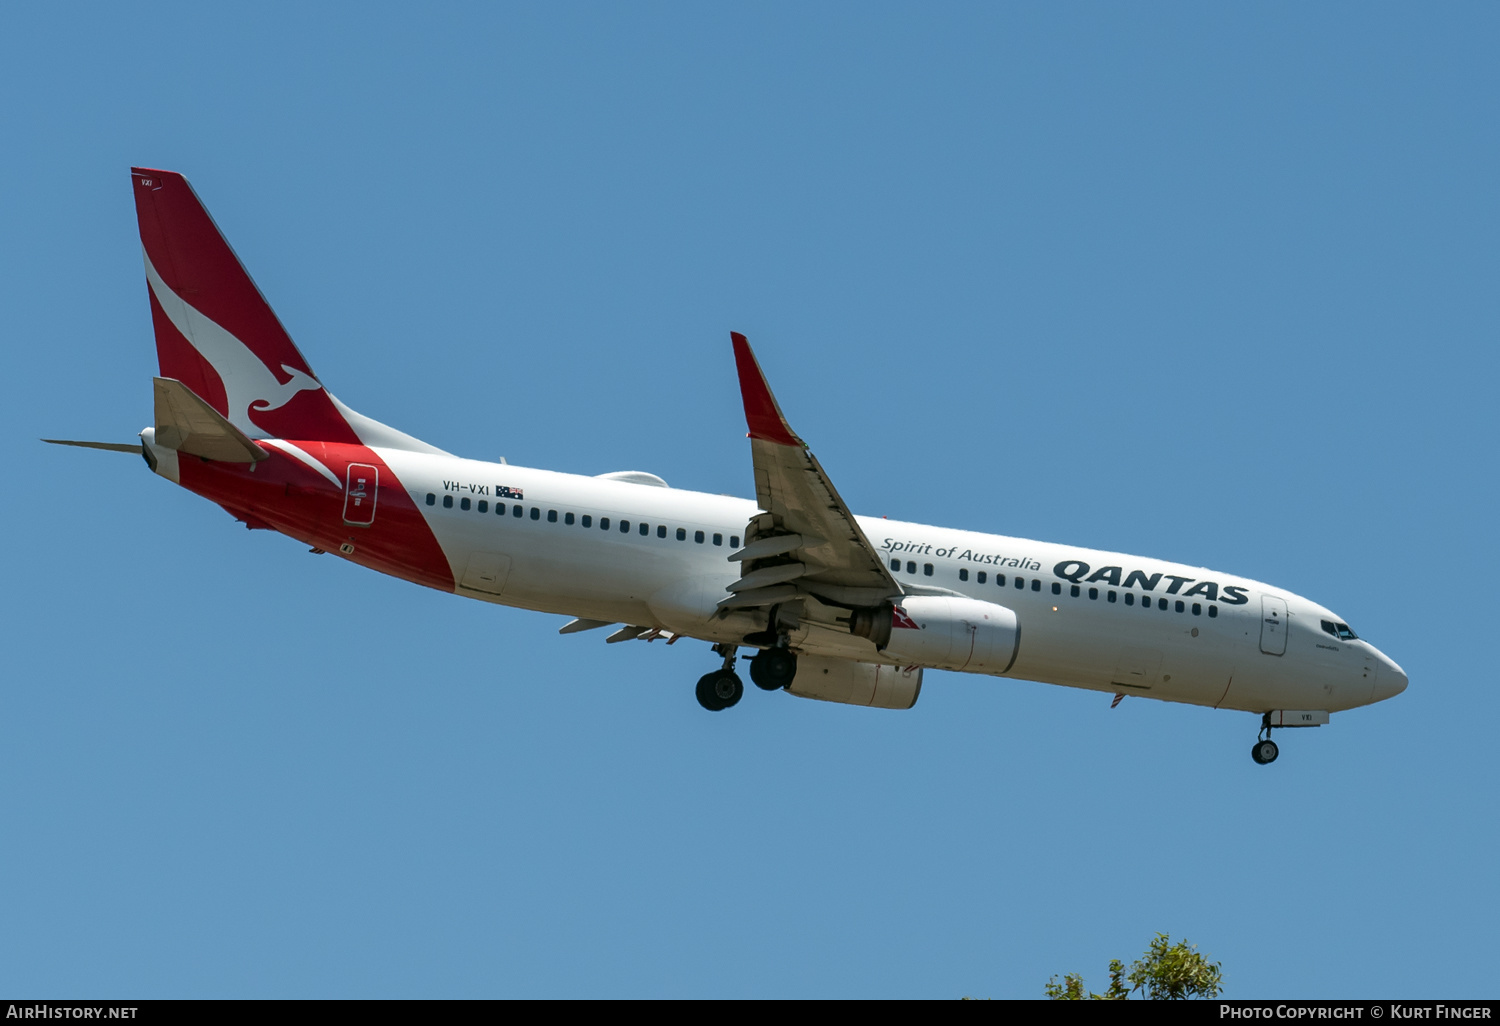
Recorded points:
(1264, 751)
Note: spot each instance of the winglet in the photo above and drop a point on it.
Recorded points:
(762, 415)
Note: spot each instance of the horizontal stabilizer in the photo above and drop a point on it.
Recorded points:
(188, 424)
(135, 447)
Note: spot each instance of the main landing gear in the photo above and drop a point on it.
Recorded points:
(771, 669)
(721, 689)
(1264, 751)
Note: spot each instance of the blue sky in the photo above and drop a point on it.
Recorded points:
(1209, 283)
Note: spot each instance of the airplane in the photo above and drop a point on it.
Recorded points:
(833, 606)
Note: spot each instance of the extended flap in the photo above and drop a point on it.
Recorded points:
(188, 424)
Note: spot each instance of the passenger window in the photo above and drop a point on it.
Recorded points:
(734, 541)
(645, 530)
(1020, 582)
(661, 530)
(1056, 588)
(1161, 604)
(1036, 584)
(1112, 596)
(447, 502)
(698, 537)
(432, 500)
(1197, 609)
(463, 503)
(911, 567)
(536, 514)
(484, 505)
(981, 577)
(1000, 580)
(718, 539)
(682, 534)
(500, 509)
(1180, 605)
(895, 564)
(1075, 591)
(552, 516)
(587, 520)
(624, 526)
(517, 511)
(567, 518)
(1213, 610)
(963, 574)
(1130, 598)
(604, 523)
(1093, 593)
(926, 569)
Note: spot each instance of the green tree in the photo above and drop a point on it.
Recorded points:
(1071, 988)
(1165, 972)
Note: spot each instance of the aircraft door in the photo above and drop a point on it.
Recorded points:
(360, 487)
(486, 572)
(1272, 625)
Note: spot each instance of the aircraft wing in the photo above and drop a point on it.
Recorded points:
(806, 540)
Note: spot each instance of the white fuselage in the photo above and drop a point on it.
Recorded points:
(1221, 640)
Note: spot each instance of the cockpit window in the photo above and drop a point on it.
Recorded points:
(1341, 631)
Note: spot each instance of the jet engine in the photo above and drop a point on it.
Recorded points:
(946, 632)
(852, 683)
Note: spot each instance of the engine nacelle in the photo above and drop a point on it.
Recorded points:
(844, 680)
(953, 633)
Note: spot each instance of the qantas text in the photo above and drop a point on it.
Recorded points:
(1077, 571)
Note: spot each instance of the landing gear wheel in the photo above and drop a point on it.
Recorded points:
(1264, 752)
(719, 690)
(773, 669)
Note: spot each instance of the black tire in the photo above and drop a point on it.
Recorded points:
(719, 690)
(773, 669)
(706, 695)
(1265, 752)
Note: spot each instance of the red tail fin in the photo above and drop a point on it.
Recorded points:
(215, 332)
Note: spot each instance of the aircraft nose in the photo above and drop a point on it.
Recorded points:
(1390, 681)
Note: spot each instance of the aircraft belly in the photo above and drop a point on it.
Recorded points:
(1149, 658)
(689, 604)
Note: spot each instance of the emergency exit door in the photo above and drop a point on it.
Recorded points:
(1272, 625)
(360, 487)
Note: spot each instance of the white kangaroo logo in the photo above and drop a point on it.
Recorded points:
(248, 383)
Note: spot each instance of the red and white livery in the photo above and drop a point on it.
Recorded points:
(835, 606)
